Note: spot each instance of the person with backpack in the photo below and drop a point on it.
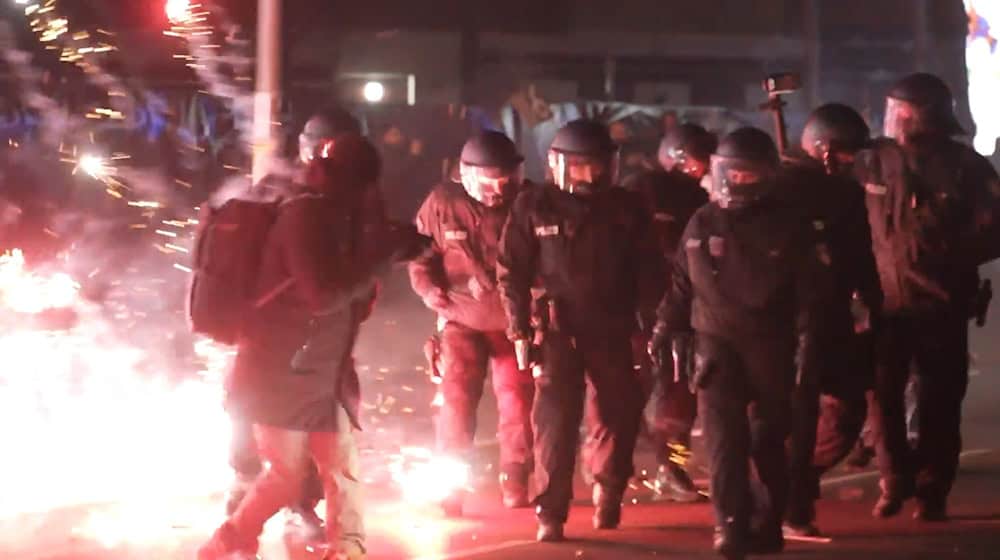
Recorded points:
(457, 280)
(294, 374)
(933, 210)
(749, 283)
(829, 408)
(325, 125)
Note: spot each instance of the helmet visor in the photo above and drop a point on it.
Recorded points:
(738, 183)
(491, 186)
(903, 120)
(583, 174)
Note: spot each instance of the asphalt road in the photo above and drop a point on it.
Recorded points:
(398, 412)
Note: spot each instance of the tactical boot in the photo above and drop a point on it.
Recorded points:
(793, 530)
(768, 540)
(673, 483)
(302, 523)
(227, 544)
(931, 511)
(549, 531)
(608, 508)
(728, 545)
(890, 503)
(514, 489)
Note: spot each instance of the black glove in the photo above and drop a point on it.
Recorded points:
(658, 347)
(682, 347)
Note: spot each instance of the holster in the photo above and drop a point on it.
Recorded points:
(984, 296)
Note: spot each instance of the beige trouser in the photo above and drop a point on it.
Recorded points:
(287, 454)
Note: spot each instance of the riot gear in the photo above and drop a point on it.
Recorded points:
(687, 149)
(833, 134)
(744, 168)
(490, 168)
(325, 125)
(583, 158)
(920, 104)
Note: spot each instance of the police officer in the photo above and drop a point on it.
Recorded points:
(457, 280)
(829, 406)
(586, 245)
(932, 205)
(748, 283)
(672, 194)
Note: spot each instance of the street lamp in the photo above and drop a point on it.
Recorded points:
(374, 92)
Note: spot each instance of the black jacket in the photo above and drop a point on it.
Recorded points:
(757, 273)
(837, 206)
(595, 257)
(462, 260)
(671, 198)
(933, 210)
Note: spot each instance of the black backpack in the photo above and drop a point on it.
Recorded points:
(226, 258)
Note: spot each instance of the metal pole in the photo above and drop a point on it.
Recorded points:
(268, 83)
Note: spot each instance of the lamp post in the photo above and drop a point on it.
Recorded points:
(268, 84)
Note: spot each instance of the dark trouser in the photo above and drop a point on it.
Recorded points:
(837, 428)
(246, 462)
(465, 354)
(671, 407)
(567, 365)
(745, 403)
(937, 349)
(828, 415)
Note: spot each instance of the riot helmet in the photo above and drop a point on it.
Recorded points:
(918, 104)
(583, 159)
(688, 149)
(833, 134)
(490, 168)
(744, 168)
(325, 125)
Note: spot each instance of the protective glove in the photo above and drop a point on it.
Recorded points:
(658, 347)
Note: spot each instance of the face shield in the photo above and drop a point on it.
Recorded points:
(682, 160)
(313, 135)
(835, 159)
(583, 174)
(490, 186)
(903, 120)
(739, 183)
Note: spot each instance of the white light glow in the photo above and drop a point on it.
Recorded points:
(178, 11)
(374, 92)
(982, 57)
(93, 165)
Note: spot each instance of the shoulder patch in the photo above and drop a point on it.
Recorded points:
(547, 231)
(692, 244)
(456, 235)
(876, 189)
